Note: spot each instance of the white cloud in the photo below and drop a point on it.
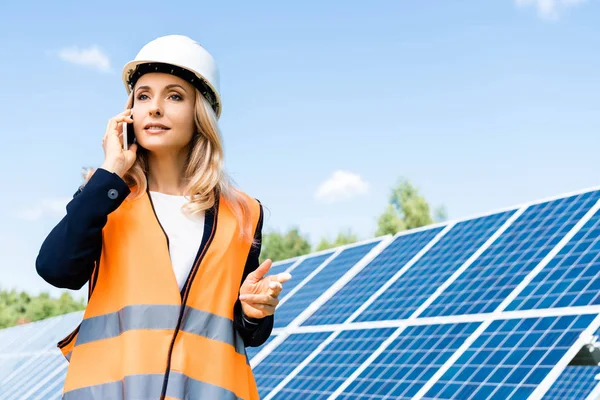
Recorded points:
(549, 9)
(43, 208)
(91, 57)
(341, 186)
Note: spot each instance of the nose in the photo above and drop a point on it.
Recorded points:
(155, 109)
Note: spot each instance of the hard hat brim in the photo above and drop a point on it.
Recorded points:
(131, 66)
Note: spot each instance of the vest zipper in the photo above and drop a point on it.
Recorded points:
(186, 288)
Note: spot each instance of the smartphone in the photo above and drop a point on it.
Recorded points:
(128, 135)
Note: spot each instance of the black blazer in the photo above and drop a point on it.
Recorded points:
(67, 255)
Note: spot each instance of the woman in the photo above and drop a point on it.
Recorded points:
(168, 247)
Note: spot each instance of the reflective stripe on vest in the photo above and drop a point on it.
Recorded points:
(138, 331)
(146, 386)
(159, 317)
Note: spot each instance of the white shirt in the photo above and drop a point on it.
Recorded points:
(184, 232)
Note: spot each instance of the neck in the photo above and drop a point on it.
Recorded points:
(166, 171)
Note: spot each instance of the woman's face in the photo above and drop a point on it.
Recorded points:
(163, 112)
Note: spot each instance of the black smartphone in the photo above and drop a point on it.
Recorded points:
(128, 135)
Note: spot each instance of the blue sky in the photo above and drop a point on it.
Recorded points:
(481, 104)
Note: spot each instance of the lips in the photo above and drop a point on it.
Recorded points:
(155, 127)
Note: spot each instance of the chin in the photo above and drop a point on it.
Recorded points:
(157, 146)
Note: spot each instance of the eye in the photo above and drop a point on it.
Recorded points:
(175, 97)
(142, 96)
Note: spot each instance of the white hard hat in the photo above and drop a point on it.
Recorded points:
(181, 56)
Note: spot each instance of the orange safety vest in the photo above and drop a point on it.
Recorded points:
(141, 338)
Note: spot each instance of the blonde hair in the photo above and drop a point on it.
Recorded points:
(204, 173)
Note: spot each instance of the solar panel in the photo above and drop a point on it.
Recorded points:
(302, 269)
(287, 356)
(282, 266)
(408, 362)
(422, 279)
(252, 351)
(359, 289)
(571, 278)
(490, 307)
(31, 366)
(320, 282)
(510, 358)
(576, 382)
(47, 369)
(337, 361)
(498, 271)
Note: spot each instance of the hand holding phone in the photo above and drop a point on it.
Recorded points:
(120, 147)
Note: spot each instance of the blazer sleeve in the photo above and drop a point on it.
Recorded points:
(67, 256)
(255, 332)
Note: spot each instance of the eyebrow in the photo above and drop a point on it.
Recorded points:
(168, 87)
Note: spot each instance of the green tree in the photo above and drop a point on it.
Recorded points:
(389, 222)
(16, 308)
(277, 246)
(345, 237)
(407, 209)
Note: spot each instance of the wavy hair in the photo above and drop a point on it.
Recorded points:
(204, 173)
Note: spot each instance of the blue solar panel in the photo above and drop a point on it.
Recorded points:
(252, 351)
(39, 377)
(336, 362)
(13, 336)
(572, 278)
(31, 364)
(10, 364)
(320, 283)
(409, 362)
(575, 382)
(510, 358)
(279, 267)
(287, 356)
(368, 280)
(434, 268)
(497, 272)
(52, 388)
(302, 270)
(40, 335)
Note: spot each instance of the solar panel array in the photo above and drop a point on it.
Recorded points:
(491, 307)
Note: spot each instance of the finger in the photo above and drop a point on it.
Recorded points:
(254, 299)
(122, 118)
(275, 288)
(282, 277)
(133, 148)
(261, 271)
